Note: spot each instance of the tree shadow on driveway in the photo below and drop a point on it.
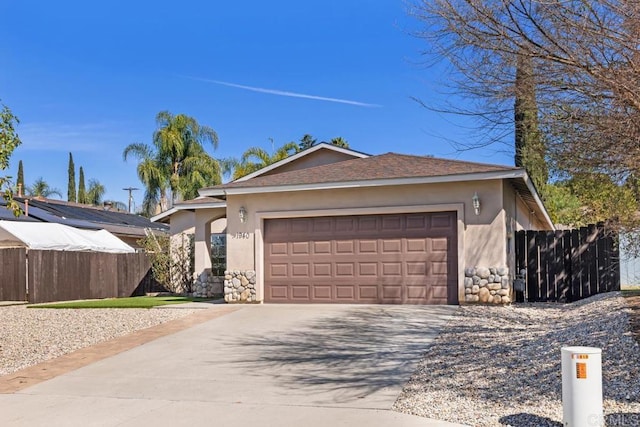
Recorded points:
(354, 352)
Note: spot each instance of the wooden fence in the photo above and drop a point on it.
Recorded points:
(568, 265)
(67, 275)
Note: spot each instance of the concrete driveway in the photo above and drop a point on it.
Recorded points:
(262, 365)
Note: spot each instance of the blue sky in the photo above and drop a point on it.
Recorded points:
(89, 77)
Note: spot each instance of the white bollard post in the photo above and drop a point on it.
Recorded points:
(582, 387)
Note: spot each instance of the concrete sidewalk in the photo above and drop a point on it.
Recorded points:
(263, 365)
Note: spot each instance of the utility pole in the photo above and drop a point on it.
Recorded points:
(130, 190)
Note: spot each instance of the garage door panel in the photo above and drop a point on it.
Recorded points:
(367, 246)
(393, 246)
(322, 247)
(393, 259)
(300, 248)
(345, 293)
(279, 292)
(278, 249)
(322, 270)
(322, 225)
(300, 292)
(391, 269)
(345, 269)
(416, 268)
(322, 293)
(301, 225)
(300, 270)
(369, 269)
(440, 244)
(345, 247)
(417, 245)
(442, 222)
(345, 225)
(368, 293)
(279, 270)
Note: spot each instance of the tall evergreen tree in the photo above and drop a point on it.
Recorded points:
(20, 182)
(71, 189)
(307, 141)
(82, 192)
(529, 143)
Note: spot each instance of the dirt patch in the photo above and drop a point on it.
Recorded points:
(633, 301)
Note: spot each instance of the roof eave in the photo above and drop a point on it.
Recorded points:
(185, 207)
(477, 176)
(536, 196)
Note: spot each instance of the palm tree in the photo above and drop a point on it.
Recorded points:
(95, 192)
(41, 188)
(256, 158)
(176, 161)
(339, 142)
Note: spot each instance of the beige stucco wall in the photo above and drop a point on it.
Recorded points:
(202, 223)
(182, 222)
(481, 239)
(317, 158)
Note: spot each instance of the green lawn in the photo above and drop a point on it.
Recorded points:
(132, 302)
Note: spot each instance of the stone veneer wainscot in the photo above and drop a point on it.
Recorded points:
(240, 286)
(487, 285)
(207, 285)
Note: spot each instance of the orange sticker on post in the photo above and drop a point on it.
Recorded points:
(581, 371)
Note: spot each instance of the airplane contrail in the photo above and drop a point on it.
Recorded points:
(287, 93)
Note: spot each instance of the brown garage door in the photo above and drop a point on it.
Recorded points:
(390, 259)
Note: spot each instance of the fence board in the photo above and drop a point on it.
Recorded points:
(62, 276)
(533, 290)
(521, 259)
(569, 265)
(13, 274)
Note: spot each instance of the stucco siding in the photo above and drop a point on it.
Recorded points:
(481, 238)
(318, 158)
(182, 222)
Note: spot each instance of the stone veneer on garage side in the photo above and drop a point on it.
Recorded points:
(487, 285)
(240, 286)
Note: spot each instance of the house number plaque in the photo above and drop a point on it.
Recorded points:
(241, 235)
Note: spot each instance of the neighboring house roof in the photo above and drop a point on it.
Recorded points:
(191, 205)
(294, 157)
(87, 217)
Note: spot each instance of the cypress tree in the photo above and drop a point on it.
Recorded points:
(71, 189)
(529, 143)
(82, 192)
(20, 182)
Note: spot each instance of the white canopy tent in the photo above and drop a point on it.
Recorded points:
(59, 237)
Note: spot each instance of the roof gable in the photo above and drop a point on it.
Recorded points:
(303, 160)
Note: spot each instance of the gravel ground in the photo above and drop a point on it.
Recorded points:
(500, 366)
(30, 336)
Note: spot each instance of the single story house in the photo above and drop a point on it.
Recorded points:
(333, 225)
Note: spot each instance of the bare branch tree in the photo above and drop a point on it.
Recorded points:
(586, 62)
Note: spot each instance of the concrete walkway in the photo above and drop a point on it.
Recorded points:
(262, 365)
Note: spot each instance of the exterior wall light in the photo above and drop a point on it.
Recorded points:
(242, 214)
(476, 203)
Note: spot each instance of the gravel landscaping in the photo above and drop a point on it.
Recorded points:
(500, 366)
(31, 336)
